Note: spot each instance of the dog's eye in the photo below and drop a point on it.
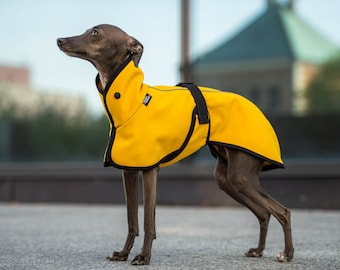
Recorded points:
(94, 32)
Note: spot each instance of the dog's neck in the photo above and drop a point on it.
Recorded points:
(104, 79)
(105, 74)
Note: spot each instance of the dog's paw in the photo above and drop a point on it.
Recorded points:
(141, 260)
(284, 256)
(118, 256)
(254, 252)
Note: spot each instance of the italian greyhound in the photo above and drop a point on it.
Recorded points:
(237, 172)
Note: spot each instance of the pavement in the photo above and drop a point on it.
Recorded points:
(49, 236)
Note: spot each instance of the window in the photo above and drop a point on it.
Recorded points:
(273, 98)
(254, 94)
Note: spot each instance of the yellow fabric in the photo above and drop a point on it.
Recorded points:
(237, 122)
(150, 132)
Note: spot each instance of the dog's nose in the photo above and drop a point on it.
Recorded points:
(61, 41)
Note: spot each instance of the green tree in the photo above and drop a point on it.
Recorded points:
(323, 94)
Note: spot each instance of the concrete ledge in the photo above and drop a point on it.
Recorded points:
(313, 184)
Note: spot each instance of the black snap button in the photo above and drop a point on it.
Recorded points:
(117, 95)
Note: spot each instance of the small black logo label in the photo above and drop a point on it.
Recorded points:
(147, 99)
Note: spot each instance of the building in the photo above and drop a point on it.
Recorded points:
(20, 99)
(15, 75)
(271, 60)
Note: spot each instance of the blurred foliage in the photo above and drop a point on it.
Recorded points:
(49, 135)
(323, 94)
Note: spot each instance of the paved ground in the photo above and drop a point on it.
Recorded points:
(44, 236)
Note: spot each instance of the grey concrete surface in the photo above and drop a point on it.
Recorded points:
(46, 236)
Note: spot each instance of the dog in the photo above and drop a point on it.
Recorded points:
(116, 57)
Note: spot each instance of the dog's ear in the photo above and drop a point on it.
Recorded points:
(136, 49)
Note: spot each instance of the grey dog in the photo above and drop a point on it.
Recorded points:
(237, 172)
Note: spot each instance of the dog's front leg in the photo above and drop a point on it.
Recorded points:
(130, 180)
(149, 191)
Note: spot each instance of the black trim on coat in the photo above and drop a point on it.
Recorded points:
(109, 162)
(273, 164)
(104, 92)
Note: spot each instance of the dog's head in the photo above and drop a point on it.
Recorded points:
(105, 46)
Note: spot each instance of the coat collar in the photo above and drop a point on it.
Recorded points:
(124, 93)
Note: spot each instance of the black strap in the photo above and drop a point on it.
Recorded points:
(202, 110)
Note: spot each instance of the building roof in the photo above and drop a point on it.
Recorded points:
(277, 33)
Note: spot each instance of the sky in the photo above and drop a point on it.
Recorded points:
(30, 29)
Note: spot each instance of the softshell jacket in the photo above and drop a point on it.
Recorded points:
(159, 125)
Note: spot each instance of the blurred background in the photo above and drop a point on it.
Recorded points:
(282, 55)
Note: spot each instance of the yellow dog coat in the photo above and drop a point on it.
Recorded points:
(160, 125)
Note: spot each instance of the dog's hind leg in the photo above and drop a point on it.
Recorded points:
(245, 180)
(149, 191)
(130, 180)
(222, 178)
